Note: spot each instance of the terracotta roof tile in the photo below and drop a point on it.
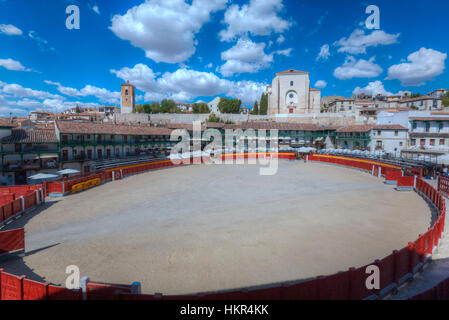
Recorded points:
(355, 128)
(6, 122)
(389, 127)
(31, 136)
(103, 128)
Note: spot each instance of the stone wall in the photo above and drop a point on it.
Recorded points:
(318, 118)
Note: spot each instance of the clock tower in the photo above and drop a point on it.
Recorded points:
(127, 102)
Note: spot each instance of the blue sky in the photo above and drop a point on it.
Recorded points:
(191, 50)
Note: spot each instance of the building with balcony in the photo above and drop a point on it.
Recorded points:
(428, 136)
(84, 142)
(438, 93)
(26, 152)
(341, 105)
(423, 103)
(387, 138)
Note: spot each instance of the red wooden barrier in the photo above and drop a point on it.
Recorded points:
(392, 175)
(394, 269)
(12, 240)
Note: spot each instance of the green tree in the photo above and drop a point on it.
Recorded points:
(445, 99)
(200, 107)
(263, 104)
(140, 108)
(169, 106)
(229, 105)
(154, 107)
(255, 108)
(78, 109)
(214, 118)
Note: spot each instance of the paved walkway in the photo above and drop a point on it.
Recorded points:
(434, 272)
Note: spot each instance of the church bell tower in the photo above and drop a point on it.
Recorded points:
(127, 102)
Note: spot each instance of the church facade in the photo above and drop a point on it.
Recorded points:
(290, 93)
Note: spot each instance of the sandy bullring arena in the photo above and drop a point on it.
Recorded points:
(215, 227)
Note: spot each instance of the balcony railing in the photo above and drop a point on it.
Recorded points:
(29, 166)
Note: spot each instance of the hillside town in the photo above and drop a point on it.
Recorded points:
(409, 125)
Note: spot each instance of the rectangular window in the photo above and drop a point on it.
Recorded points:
(422, 142)
(378, 132)
(432, 142)
(441, 142)
(291, 83)
(401, 144)
(396, 133)
(413, 142)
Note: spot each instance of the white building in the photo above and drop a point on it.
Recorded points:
(213, 106)
(341, 105)
(290, 93)
(389, 138)
(422, 103)
(438, 93)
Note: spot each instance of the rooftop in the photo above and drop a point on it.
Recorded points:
(31, 136)
(103, 128)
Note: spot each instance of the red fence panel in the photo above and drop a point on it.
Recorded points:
(406, 181)
(10, 286)
(393, 175)
(16, 206)
(33, 290)
(60, 293)
(335, 287)
(12, 240)
(302, 291)
(358, 284)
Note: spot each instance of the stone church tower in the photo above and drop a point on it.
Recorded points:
(127, 101)
(290, 93)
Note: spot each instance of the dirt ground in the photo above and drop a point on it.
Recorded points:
(206, 228)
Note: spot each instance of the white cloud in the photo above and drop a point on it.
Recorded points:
(141, 76)
(185, 84)
(373, 89)
(280, 40)
(285, 52)
(17, 90)
(358, 41)
(324, 53)
(102, 94)
(259, 17)
(96, 9)
(11, 64)
(41, 42)
(320, 84)
(28, 103)
(423, 65)
(10, 30)
(5, 111)
(245, 57)
(353, 68)
(210, 65)
(165, 29)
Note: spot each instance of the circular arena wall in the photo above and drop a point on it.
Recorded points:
(207, 228)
